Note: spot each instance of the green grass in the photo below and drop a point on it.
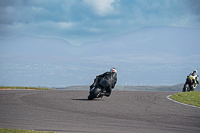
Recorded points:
(191, 98)
(29, 88)
(5, 130)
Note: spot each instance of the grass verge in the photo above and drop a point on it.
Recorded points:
(5, 130)
(28, 88)
(191, 98)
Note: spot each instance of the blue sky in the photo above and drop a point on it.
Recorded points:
(80, 21)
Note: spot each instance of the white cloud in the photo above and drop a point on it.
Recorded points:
(65, 25)
(101, 7)
(92, 19)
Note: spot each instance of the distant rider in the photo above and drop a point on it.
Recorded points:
(111, 76)
(192, 80)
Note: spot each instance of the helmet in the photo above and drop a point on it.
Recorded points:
(195, 72)
(113, 70)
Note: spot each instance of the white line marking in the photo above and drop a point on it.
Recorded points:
(168, 97)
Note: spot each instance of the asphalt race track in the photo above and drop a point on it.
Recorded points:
(70, 111)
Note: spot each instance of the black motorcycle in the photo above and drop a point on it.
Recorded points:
(190, 85)
(99, 89)
(186, 88)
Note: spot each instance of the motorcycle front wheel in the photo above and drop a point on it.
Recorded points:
(186, 88)
(94, 93)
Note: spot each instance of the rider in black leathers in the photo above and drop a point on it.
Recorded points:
(111, 77)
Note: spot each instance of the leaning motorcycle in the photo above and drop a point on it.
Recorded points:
(99, 89)
(186, 88)
(189, 85)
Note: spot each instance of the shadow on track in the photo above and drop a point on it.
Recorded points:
(86, 99)
(81, 99)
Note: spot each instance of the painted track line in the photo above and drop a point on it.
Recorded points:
(168, 97)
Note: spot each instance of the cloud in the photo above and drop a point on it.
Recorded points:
(194, 6)
(65, 25)
(101, 7)
(91, 20)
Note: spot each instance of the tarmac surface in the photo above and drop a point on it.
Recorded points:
(70, 111)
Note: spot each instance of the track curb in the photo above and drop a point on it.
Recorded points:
(168, 97)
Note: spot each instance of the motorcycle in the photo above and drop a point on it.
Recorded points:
(186, 88)
(98, 91)
(189, 85)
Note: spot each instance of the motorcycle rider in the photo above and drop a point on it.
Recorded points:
(111, 76)
(192, 80)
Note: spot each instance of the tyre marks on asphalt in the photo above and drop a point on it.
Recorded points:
(123, 111)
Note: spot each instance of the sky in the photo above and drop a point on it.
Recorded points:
(81, 21)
